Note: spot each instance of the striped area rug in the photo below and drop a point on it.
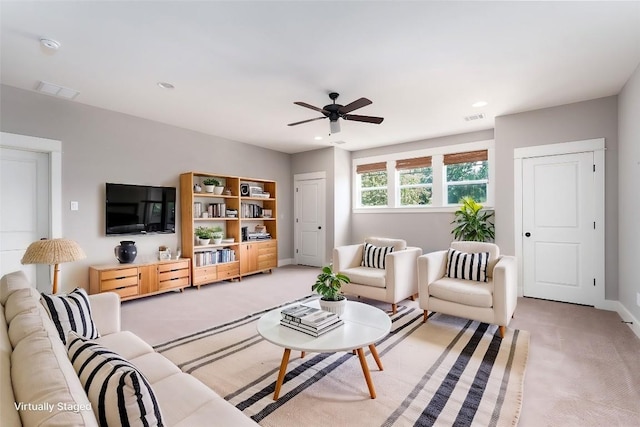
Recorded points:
(449, 371)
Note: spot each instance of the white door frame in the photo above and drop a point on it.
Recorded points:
(597, 146)
(296, 229)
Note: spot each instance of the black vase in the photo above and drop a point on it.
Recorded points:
(126, 251)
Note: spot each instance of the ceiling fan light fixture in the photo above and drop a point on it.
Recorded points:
(334, 126)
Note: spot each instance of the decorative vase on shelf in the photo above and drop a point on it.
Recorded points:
(126, 251)
(218, 190)
(209, 188)
(203, 242)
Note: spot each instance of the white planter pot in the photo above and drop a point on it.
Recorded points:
(217, 240)
(218, 190)
(336, 307)
(202, 242)
(209, 188)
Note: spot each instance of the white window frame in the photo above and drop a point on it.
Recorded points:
(361, 190)
(448, 184)
(400, 187)
(438, 184)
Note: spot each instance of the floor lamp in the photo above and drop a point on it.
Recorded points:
(53, 252)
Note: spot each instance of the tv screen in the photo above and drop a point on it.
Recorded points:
(139, 209)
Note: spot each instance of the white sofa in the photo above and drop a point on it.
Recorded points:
(39, 386)
(396, 282)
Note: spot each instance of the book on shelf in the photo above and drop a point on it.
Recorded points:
(310, 330)
(309, 316)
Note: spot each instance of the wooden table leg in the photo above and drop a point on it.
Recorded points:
(374, 352)
(365, 371)
(302, 354)
(283, 370)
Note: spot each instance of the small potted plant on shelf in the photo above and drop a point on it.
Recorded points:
(204, 235)
(328, 285)
(210, 184)
(217, 235)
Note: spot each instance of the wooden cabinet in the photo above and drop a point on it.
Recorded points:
(140, 279)
(244, 202)
(258, 256)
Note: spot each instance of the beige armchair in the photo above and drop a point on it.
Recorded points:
(493, 301)
(392, 284)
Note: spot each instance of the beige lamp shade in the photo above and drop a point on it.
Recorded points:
(53, 252)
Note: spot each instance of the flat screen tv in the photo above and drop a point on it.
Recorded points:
(140, 209)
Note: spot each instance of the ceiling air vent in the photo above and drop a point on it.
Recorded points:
(474, 117)
(55, 90)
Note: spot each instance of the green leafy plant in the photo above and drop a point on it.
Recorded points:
(472, 223)
(328, 284)
(211, 181)
(204, 232)
(217, 232)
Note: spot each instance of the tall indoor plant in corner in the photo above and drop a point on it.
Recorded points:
(328, 285)
(472, 223)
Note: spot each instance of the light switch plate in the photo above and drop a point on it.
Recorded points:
(74, 206)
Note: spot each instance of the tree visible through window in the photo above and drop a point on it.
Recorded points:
(467, 174)
(373, 184)
(415, 181)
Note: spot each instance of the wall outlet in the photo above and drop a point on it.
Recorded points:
(74, 206)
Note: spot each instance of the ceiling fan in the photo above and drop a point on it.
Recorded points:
(336, 111)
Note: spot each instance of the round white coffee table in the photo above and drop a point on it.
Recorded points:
(363, 326)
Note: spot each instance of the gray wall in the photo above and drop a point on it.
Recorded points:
(629, 203)
(573, 122)
(101, 146)
(342, 192)
(430, 231)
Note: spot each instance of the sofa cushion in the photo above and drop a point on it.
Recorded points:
(475, 294)
(12, 282)
(125, 343)
(10, 416)
(374, 256)
(42, 377)
(367, 276)
(19, 301)
(467, 266)
(116, 388)
(71, 312)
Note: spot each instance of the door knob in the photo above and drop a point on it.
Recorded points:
(527, 234)
(319, 227)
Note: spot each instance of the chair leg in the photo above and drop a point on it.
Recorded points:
(394, 308)
(503, 329)
(425, 316)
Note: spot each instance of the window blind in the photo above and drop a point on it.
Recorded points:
(372, 167)
(468, 157)
(414, 163)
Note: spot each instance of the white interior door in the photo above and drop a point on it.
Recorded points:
(310, 221)
(558, 228)
(24, 210)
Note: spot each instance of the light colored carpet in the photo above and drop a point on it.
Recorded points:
(449, 371)
(583, 368)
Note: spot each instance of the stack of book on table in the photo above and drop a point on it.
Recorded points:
(310, 320)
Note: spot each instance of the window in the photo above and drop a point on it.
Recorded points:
(467, 174)
(415, 178)
(432, 179)
(372, 183)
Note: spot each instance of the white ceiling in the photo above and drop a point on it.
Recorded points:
(238, 67)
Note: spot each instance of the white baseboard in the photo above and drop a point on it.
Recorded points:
(287, 261)
(628, 317)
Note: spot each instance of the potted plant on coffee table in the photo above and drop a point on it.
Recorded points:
(328, 285)
(210, 184)
(204, 235)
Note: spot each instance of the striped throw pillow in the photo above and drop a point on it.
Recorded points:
(373, 256)
(119, 394)
(71, 312)
(461, 265)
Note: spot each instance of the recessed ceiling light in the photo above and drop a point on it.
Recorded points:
(318, 138)
(479, 104)
(50, 43)
(165, 85)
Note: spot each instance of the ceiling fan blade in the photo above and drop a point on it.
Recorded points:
(368, 119)
(304, 104)
(306, 121)
(358, 103)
